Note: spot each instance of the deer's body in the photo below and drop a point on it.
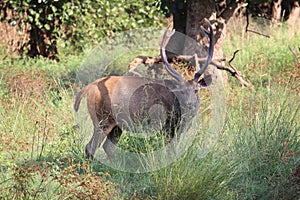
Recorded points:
(118, 101)
(135, 96)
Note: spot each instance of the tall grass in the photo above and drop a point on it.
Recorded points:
(264, 143)
(260, 58)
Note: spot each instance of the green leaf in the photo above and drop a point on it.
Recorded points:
(50, 17)
(47, 27)
(54, 9)
(11, 22)
(30, 18)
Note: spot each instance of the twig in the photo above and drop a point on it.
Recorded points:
(233, 57)
(45, 135)
(234, 72)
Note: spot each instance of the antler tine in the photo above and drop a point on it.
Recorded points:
(163, 55)
(210, 34)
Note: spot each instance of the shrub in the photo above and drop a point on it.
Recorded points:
(76, 22)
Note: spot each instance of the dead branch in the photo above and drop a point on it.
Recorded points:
(234, 72)
(150, 61)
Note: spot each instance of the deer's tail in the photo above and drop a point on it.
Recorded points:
(79, 97)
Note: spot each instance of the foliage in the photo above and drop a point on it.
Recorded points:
(76, 22)
(93, 20)
(43, 18)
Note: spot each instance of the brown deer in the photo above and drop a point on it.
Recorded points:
(117, 102)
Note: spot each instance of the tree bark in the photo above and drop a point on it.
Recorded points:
(294, 16)
(197, 10)
(276, 11)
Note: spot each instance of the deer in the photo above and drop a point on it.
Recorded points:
(116, 101)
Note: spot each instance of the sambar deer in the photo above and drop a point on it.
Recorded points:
(117, 101)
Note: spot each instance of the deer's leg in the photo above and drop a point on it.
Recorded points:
(111, 141)
(94, 142)
(101, 130)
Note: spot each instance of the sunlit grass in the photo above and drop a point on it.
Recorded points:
(262, 58)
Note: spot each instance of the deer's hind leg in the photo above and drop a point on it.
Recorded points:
(101, 130)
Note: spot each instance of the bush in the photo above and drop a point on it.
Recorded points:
(76, 22)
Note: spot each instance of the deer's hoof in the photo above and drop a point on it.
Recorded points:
(88, 152)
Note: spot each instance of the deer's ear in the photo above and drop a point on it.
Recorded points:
(205, 81)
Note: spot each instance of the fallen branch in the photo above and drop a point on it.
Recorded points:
(150, 61)
(234, 72)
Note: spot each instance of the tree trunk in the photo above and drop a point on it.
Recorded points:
(42, 43)
(294, 17)
(276, 11)
(179, 16)
(188, 17)
(198, 10)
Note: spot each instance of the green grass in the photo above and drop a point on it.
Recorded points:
(261, 58)
(254, 157)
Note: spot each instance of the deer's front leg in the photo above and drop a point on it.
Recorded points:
(111, 141)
